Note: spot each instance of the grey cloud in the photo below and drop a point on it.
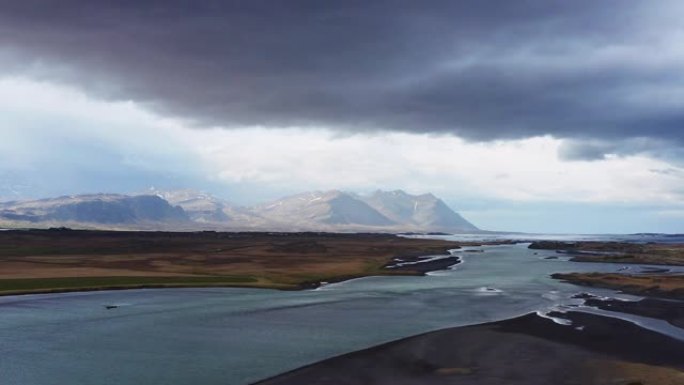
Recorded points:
(479, 69)
(577, 150)
(668, 171)
(597, 149)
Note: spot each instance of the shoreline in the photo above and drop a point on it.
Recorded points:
(526, 350)
(133, 287)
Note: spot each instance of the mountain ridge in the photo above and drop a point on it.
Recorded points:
(332, 210)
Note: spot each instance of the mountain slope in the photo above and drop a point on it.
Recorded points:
(323, 208)
(425, 212)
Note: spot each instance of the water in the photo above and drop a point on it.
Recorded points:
(238, 336)
(498, 236)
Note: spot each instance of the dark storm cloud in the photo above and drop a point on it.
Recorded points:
(479, 69)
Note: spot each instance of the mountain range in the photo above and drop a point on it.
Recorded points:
(387, 211)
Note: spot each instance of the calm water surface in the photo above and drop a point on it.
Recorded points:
(238, 336)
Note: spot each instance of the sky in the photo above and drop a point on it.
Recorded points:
(537, 116)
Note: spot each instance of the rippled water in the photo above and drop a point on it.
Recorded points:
(237, 336)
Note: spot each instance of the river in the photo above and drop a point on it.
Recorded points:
(238, 336)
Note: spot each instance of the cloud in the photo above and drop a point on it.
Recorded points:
(479, 70)
(56, 141)
(524, 170)
(576, 150)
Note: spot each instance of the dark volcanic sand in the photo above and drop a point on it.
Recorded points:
(528, 350)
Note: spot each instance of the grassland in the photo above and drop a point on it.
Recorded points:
(37, 261)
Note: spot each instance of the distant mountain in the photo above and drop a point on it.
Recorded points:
(425, 212)
(110, 209)
(323, 208)
(387, 211)
(199, 206)
(211, 211)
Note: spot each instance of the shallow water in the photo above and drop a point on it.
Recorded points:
(238, 336)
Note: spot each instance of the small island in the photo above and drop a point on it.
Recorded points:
(617, 252)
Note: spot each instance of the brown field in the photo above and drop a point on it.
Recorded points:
(66, 260)
(643, 284)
